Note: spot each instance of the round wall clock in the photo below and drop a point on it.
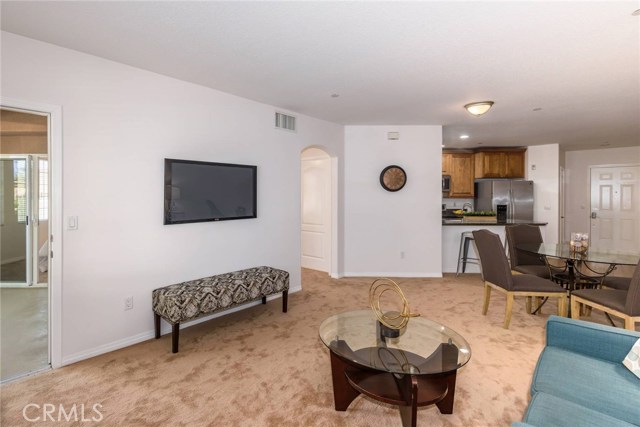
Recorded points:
(393, 178)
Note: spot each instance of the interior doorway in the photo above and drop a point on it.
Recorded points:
(615, 208)
(24, 255)
(316, 210)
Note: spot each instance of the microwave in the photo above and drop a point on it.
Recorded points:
(446, 183)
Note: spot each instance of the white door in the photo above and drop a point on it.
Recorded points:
(615, 208)
(316, 211)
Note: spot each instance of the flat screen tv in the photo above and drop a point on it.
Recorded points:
(203, 191)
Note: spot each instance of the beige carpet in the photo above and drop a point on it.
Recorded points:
(24, 330)
(260, 367)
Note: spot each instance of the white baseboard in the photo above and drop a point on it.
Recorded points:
(165, 329)
(392, 274)
(106, 348)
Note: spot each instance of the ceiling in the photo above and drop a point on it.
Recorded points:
(391, 63)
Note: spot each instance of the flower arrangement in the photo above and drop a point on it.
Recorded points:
(579, 242)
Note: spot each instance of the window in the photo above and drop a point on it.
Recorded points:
(43, 189)
(20, 189)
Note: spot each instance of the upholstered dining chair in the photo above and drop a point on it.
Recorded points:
(618, 302)
(497, 275)
(521, 261)
(615, 282)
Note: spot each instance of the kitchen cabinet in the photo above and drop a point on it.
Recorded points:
(499, 164)
(446, 164)
(461, 172)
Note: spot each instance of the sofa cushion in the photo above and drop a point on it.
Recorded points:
(591, 339)
(552, 411)
(594, 384)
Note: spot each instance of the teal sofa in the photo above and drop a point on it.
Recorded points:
(580, 380)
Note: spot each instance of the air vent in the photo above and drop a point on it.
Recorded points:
(285, 122)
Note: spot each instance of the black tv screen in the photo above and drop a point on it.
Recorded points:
(203, 191)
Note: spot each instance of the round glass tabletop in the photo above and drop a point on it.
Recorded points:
(422, 347)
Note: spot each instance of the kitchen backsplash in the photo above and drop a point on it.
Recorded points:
(456, 203)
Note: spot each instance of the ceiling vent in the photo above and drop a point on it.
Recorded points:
(285, 122)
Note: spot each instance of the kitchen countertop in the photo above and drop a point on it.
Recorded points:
(511, 222)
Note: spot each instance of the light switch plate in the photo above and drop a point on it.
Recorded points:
(72, 223)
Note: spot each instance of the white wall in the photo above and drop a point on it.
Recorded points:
(577, 179)
(543, 168)
(379, 225)
(119, 123)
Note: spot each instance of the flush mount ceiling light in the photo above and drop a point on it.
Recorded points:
(464, 136)
(636, 12)
(478, 108)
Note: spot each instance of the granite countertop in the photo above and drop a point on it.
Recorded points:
(493, 223)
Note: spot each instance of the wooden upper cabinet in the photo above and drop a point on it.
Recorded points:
(461, 171)
(446, 164)
(499, 164)
(514, 164)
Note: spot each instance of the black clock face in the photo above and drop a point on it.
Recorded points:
(393, 178)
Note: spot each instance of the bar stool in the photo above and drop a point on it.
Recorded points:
(465, 238)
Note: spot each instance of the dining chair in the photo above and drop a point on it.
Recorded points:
(522, 261)
(497, 274)
(616, 282)
(618, 302)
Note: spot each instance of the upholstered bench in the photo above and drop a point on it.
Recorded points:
(189, 300)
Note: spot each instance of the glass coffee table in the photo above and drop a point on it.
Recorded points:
(416, 368)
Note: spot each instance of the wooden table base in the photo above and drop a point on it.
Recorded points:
(407, 391)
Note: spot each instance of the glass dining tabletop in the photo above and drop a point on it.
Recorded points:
(422, 347)
(563, 251)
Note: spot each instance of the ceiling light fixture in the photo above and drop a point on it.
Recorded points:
(478, 108)
(335, 95)
(464, 136)
(636, 12)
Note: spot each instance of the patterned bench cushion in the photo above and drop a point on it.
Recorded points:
(189, 300)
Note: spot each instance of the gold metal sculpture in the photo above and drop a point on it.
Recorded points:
(390, 319)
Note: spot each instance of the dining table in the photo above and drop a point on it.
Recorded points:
(583, 269)
(580, 265)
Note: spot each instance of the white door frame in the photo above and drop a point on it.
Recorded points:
(562, 204)
(28, 226)
(334, 270)
(327, 215)
(55, 220)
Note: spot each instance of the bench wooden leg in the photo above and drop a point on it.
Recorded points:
(156, 323)
(175, 337)
(264, 300)
(285, 295)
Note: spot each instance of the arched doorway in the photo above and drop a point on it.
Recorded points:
(316, 210)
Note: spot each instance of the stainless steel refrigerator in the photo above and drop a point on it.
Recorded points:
(517, 195)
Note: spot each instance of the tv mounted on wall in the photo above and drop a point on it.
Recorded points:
(203, 191)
